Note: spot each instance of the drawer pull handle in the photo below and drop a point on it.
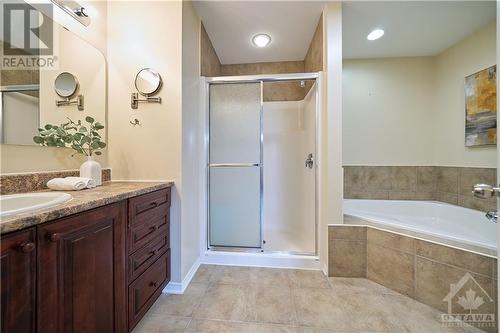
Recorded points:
(153, 204)
(152, 253)
(26, 247)
(153, 228)
(153, 284)
(53, 237)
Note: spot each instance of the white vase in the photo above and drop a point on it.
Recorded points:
(91, 169)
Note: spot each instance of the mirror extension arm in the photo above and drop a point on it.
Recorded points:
(134, 100)
(79, 102)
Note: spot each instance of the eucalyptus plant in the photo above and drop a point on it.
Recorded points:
(83, 138)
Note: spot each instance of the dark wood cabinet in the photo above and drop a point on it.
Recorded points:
(143, 258)
(98, 271)
(149, 251)
(18, 282)
(81, 272)
(144, 291)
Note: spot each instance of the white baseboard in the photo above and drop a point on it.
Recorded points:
(180, 287)
(243, 259)
(260, 260)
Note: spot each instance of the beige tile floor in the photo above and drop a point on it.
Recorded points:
(228, 299)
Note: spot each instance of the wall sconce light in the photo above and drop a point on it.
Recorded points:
(73, 9)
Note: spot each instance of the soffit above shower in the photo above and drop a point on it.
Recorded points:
(231, 25)
(412, 28)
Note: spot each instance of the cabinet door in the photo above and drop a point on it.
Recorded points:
(81, 272)
(18, 274)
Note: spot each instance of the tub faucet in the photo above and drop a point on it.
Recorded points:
(492, 216)
(484, 191)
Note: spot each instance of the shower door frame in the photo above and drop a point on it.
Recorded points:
(261, 79)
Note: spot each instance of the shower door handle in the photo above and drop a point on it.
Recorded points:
(233, 165)
(309, 161)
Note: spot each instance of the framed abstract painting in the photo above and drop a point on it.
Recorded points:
(481, 108)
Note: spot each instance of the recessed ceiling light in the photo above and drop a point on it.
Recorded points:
(261, 40)
(375, 34)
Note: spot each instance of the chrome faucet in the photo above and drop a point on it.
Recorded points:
(492, 216)
(484, 191)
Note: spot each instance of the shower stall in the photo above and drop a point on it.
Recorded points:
(261, 164)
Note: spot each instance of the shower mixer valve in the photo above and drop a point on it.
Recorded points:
(309, 161)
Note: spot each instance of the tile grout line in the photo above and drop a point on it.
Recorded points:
(292, 292)
(196, 307)
(295, 327)
(253, 321)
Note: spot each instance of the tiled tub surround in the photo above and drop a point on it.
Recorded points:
(446, 184)
(36, 181)
(416, 268)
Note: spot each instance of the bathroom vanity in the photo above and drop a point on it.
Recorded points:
(98, 267)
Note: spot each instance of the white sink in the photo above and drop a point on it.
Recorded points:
(30, 202)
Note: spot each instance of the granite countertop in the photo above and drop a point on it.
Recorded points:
(108, 193)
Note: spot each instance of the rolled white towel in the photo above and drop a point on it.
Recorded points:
(70, 183)
(89, 182)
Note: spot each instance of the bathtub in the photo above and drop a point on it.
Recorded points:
(435, 221)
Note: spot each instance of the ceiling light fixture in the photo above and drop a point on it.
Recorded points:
(375, 34)
(261, 40)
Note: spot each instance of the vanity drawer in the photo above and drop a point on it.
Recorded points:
(147, 228)
(143, 258)
(143, 292)
(143, 204)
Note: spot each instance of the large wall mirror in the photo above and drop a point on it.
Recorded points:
(32, 98)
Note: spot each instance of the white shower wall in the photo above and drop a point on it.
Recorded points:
(289, 187)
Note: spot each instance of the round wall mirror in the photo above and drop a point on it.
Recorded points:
(66, 85)
(148, 82)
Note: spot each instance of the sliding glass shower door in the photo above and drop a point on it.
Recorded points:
(235, 165)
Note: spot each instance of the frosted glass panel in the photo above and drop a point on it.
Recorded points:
(235, 123)
(235, 206)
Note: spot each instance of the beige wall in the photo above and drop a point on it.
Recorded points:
(471, 55)
(387, 111)
(151, 151)
(133, 44)
(34, 158)
(410, 111)
(168, 143)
